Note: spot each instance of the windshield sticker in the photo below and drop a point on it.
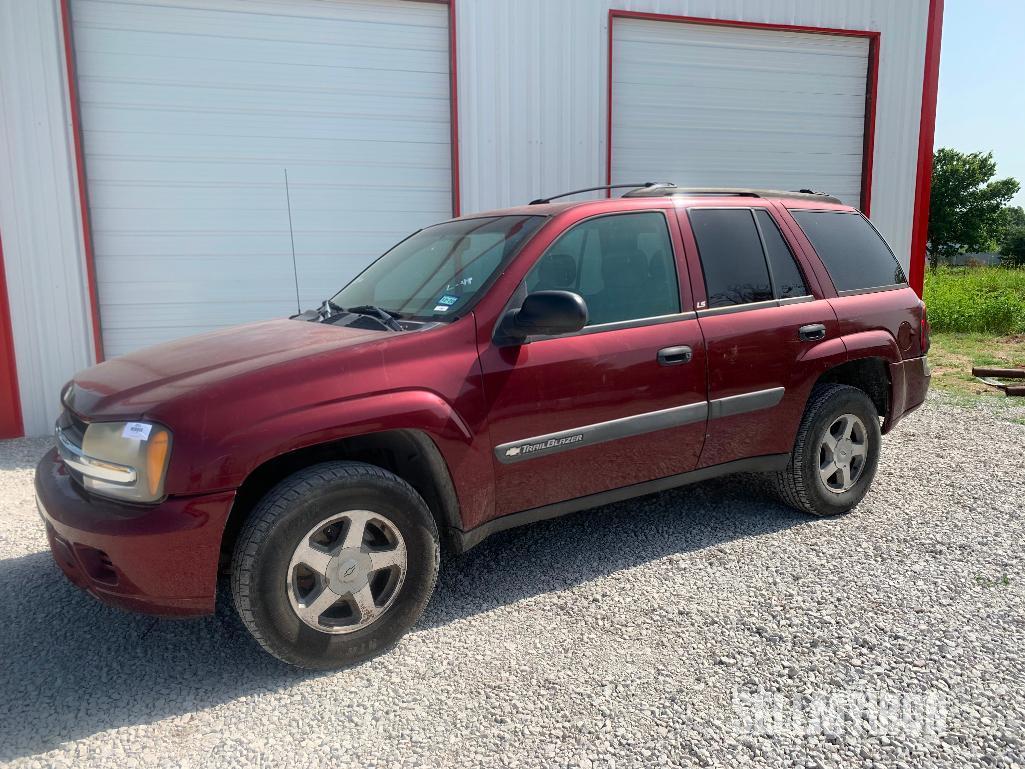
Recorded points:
(448, 299)
(441, 308)
(467, 281)
(138, 431)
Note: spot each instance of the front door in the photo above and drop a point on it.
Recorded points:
(618, 403)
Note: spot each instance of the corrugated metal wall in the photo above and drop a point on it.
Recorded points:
(533, 91)
(39, 212)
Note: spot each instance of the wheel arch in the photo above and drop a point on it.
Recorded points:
(409, 453)
(870, 374)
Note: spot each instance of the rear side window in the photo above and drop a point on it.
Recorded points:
(786, 275)
(854, 253)
(731, 256)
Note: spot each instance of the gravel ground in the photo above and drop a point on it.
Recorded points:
(644, 633)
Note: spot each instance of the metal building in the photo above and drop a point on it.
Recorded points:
(144, 145)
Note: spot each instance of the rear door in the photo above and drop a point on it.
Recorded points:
(618, 403)
(768, 330)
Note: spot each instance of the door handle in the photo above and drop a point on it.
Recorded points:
(812, 332)
(674, 356)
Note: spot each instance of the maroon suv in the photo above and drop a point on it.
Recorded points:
(486, 372)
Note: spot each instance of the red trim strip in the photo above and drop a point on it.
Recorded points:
(76, 131)
(926, 136)
(869, 147)
(871, 88)
(608, 110)
(11, 424)
(453, 97)
(738, 23)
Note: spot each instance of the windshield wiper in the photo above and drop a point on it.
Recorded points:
(387, 317)
(328, 309)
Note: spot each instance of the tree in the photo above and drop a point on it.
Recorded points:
(1011, 238)
(967, 207)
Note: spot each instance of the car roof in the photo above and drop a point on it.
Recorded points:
(719, 197)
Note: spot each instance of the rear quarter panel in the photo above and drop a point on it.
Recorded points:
(883, 324)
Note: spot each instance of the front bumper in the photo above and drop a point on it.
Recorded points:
(909, 381)
(157, 560)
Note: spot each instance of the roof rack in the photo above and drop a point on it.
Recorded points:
(642, 185)
(661, 190)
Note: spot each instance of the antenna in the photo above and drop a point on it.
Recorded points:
(291, 237)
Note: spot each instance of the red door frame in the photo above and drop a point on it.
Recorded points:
(926, 136)
(11, 425)
(871, 88)
(76, 130)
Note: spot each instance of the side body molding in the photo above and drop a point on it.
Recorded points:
(639, 424)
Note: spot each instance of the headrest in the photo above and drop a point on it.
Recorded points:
(558, 270)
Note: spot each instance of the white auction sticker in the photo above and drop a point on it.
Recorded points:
(137, 430)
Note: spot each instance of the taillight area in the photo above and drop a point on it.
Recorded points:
(924, 336)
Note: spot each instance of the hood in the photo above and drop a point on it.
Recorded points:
(131, 385)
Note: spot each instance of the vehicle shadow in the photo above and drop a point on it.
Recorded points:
(71, 667)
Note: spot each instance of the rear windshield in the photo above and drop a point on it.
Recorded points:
(436, 273)
(855, 254)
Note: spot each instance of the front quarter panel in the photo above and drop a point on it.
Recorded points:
(427, 381)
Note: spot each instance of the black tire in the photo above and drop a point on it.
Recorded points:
(801, 485)
(260, 565)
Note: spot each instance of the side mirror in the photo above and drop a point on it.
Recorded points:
(543, 313)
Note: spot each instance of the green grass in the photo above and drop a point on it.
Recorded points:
(953, 355)
(976, 299)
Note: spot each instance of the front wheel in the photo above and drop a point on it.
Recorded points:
(836, 452)
(335, 564)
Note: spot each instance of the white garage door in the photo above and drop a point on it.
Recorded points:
(703, 105)
(191, 113)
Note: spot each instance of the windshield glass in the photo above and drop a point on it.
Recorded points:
(436, 273)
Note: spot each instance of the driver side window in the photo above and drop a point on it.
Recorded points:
(621, 264)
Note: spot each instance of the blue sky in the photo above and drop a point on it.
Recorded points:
(982, 82)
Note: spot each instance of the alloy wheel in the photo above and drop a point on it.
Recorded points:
(843, 453)
(346, 571)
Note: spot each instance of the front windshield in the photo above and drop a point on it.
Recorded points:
(436, 273)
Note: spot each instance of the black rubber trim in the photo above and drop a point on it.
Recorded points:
(473, 537)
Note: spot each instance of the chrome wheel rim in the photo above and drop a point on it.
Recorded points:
(843, 453)
(346, 571)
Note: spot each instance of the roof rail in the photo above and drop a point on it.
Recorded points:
(642, 185)
(743, 192)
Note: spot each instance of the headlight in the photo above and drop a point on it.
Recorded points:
(123, 460)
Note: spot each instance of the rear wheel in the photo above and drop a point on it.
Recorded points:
(836, 452)
(335, 564)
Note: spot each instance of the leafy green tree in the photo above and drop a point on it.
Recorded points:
(1011, 238)
(967, 206)
(1012, 248)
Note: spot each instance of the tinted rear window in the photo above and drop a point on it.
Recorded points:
(731, 256)
(853, 252)
(785, 272)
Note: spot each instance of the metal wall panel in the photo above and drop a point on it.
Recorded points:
(191, 112)
(533, 92)
(39, 213)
